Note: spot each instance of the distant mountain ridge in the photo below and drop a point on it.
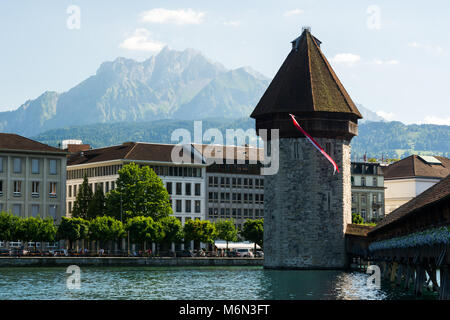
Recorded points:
(171, 84)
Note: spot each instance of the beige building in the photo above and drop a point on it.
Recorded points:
(409, 177)
(32, 178)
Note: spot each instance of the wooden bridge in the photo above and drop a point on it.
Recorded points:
(411, 245)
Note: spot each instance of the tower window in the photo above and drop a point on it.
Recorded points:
(296, 150)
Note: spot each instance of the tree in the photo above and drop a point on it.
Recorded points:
(97, 206)
(253, 231)
(357, 219)
(200, 231)
(84, 198)
(72, 229)
(28, 230)
(226, 230)
(143, 229)
(7, 226)
(106, 229)
(173, 230)
(47, 230)
(139, 192)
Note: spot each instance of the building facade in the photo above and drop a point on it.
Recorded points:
(409, 177)
(32, 178)
(185, 182)
(367, 190)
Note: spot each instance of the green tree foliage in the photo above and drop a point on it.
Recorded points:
(72, 229)
(357, 219)
(144, 229)
(106, 229)
(97, 206)
(226, 230)
(173, 230)
(8, 226)
(139, 192)
(84, 197)
(200, 230)
(253, 230)
(47, 230)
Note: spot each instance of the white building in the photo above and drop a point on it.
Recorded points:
(185, 182)
(409, 177)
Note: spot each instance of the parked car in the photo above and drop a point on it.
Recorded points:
(246, 253)
(4, 252)
(232, 254)
(259, 254)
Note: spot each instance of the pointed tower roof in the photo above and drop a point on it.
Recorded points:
(307, 87)
(305, 83)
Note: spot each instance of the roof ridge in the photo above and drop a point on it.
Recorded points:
(310, 73)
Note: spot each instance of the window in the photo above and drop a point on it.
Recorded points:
(17, 188)
(188, 206)
(1, 187)
(363, 199)
(296, 150)
(34, 210)
(363, 181)
(17, 164)
(52, 190)
(52, 166)
(70, 207)
(353, 180)
(1, 164)
(113, 185)
(17, 210)
(188, 189)
(197, 189)
(169, 187)
(363, 213)
(75, 190)
(210, 181)
(178, 206)
(179, 188)
(35, 189)
(52, 211)
(374, 182)
(35, 166)
(69, 191)
(197, 206)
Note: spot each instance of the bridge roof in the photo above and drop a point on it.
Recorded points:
(439, 192)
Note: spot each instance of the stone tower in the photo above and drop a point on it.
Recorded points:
(306, 207)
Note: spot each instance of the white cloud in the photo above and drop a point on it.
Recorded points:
(141, 41)
(293, 12)
(234, 23)
(437, 120)
(349, 59)
(181, 16)
(380, 62)
(435, 49)
(389, 116)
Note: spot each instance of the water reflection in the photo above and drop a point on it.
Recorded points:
(204, 283)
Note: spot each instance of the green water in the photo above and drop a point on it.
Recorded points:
(197, 283)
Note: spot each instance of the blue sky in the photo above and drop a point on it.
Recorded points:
(392, 56)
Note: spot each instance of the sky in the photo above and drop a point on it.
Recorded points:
(391, 56)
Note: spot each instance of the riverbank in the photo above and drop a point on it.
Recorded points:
(127, 261)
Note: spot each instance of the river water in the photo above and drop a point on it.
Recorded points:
(193, 283)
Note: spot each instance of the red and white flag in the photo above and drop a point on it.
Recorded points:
(315, 144)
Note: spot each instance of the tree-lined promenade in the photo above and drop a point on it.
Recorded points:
(137, 212)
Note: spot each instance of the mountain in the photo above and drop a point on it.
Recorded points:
(368, 115)
(377, 139)
(171, 84)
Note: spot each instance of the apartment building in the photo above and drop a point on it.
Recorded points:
(234, 185)
(409, 177)
(185, 182)
(32, 178)
(367, 190)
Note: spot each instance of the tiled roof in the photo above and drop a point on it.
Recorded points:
(305, 83)
(230, 152)
(10, 141)
(438, 192)
(414, 166)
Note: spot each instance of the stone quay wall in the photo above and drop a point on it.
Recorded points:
(306, 207)
(126, 261)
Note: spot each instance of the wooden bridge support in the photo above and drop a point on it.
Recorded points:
(444, 290)
(420, 280)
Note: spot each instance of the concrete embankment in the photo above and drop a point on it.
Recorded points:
(125, 261)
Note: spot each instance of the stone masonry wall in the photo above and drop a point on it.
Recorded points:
(307, 208)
